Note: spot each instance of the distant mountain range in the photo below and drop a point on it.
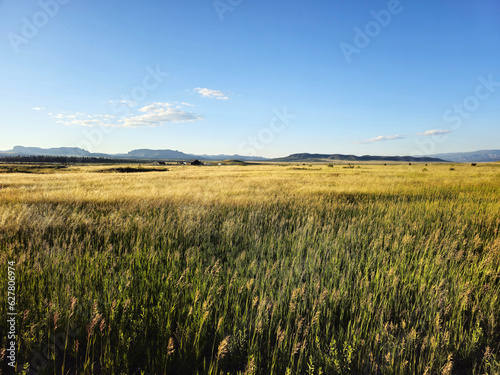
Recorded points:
(457, 157)
(147, 154)
(339, 157)
(471, 157)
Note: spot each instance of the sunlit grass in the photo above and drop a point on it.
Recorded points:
(281, 269)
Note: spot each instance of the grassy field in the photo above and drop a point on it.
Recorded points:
(257, 269)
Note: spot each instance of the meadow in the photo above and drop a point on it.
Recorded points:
(256, 269)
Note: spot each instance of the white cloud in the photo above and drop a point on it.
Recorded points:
(382, 138)
(212, 94)
(128, 103)
(155, 107)
(435, 132)
(159, 116)
(151, 115)
(38, 108)
(81, 119)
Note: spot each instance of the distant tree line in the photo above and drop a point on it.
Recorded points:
(65, 159)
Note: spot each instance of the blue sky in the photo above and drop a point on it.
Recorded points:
(256, 77)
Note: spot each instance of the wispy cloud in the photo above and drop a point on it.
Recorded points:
(435, 132)
(381, 138)
(158, 114)
(151, 115)
(128, 103)
(212, 94)
(82, 119)
(38, 108)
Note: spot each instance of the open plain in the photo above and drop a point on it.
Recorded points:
(255, 269)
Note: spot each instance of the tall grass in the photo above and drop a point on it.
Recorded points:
(256, 270)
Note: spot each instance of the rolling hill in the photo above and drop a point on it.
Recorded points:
(471, 157)
(167, 154)
(145, 154)
(311, 158)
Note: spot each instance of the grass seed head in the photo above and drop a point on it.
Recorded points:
(223, 349)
